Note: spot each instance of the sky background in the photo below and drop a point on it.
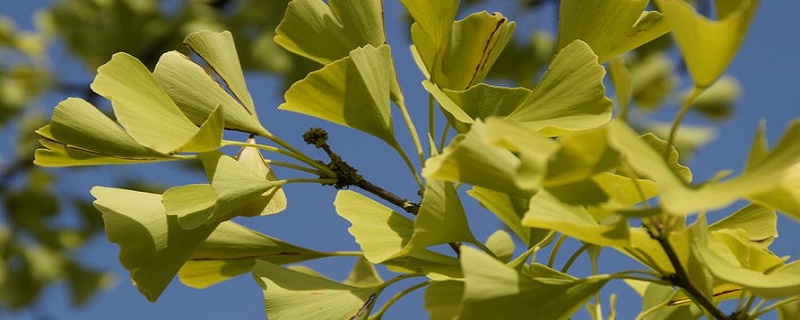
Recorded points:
(768, 68)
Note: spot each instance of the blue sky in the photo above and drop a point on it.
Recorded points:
(768, 68)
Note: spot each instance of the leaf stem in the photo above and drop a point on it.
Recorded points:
(774, 306)
(292, 166)
(399, 278)
(673, 131)
(410, 165)
(431, 119)
(574, 257)
(412, 129)
(443, 138)
(345, 253)
(553, 253)
(396, 297)
(301, 156)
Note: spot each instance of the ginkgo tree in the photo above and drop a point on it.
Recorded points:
(552, 162)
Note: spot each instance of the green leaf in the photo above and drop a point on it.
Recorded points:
(325, 33)
(363, 274)
(760, 223)
(623, 82)
(234, 184)
(153, 247)
(382, 233)
(534, 150)
(80, 134)
(708, 46)
(582, 155)
(434, 19)
(610, 28)
(197, 94)
(193, 204)
(546, 211)
(142, 106)
(353, 91)
(737, 265)
(509, 209)
(501, 244)
(480, 101)
(232, 249)
(218, 50)
(209, 135)
(467, 54)
(679, 198)
(472, 150)
(495, 291)
(441, 218)
(270, 202)
(571, 95)
(443, 299)
(290, 294)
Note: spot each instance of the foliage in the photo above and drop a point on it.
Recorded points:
(552, 161)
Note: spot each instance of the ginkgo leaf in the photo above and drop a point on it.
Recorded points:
(234, 184)
(270, 202)
(441, 217)
(480, 101)
(610, 28)
(353, 92)
(581, 155)
(760, 223)
(501, 244)
(623, 82)
(218, 50)
(535, 150)
(495, 291)
(197, 94)
(738, 265)
(328, 32)
(193, 204)
(384, 234)
(153, 247)
(142, 106)
(363, 274)
(443, 299)
(232, 249)
(434, 19)
(677, 197)
(509, 209)
(209, 135)
(546, 211)
(467, 55)
(708, 46)
(80, 134)
(466, 152)
(289, 294)
(571, 95)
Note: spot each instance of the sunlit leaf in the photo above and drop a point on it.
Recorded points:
(459, 160)
(679, 198)
(545, 211)
(363, 274)
(610, 28)
(441, 217)
(194, 204)
(443, 299)
(234, 184)
(209, 135)
(623, 82)
(501, 244)
(196, 93)
(270, 202)
(495, 291)
(509, 209)
(141, 105)
(434, 19)
(481, 101)
(328, 32)
(571, 95)
(353, 92)
(290, 294)
(708, 46)
(218, 50)
(153, 247)
(464, 57)
(231, 250)
(760, 223)
(80, 134)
